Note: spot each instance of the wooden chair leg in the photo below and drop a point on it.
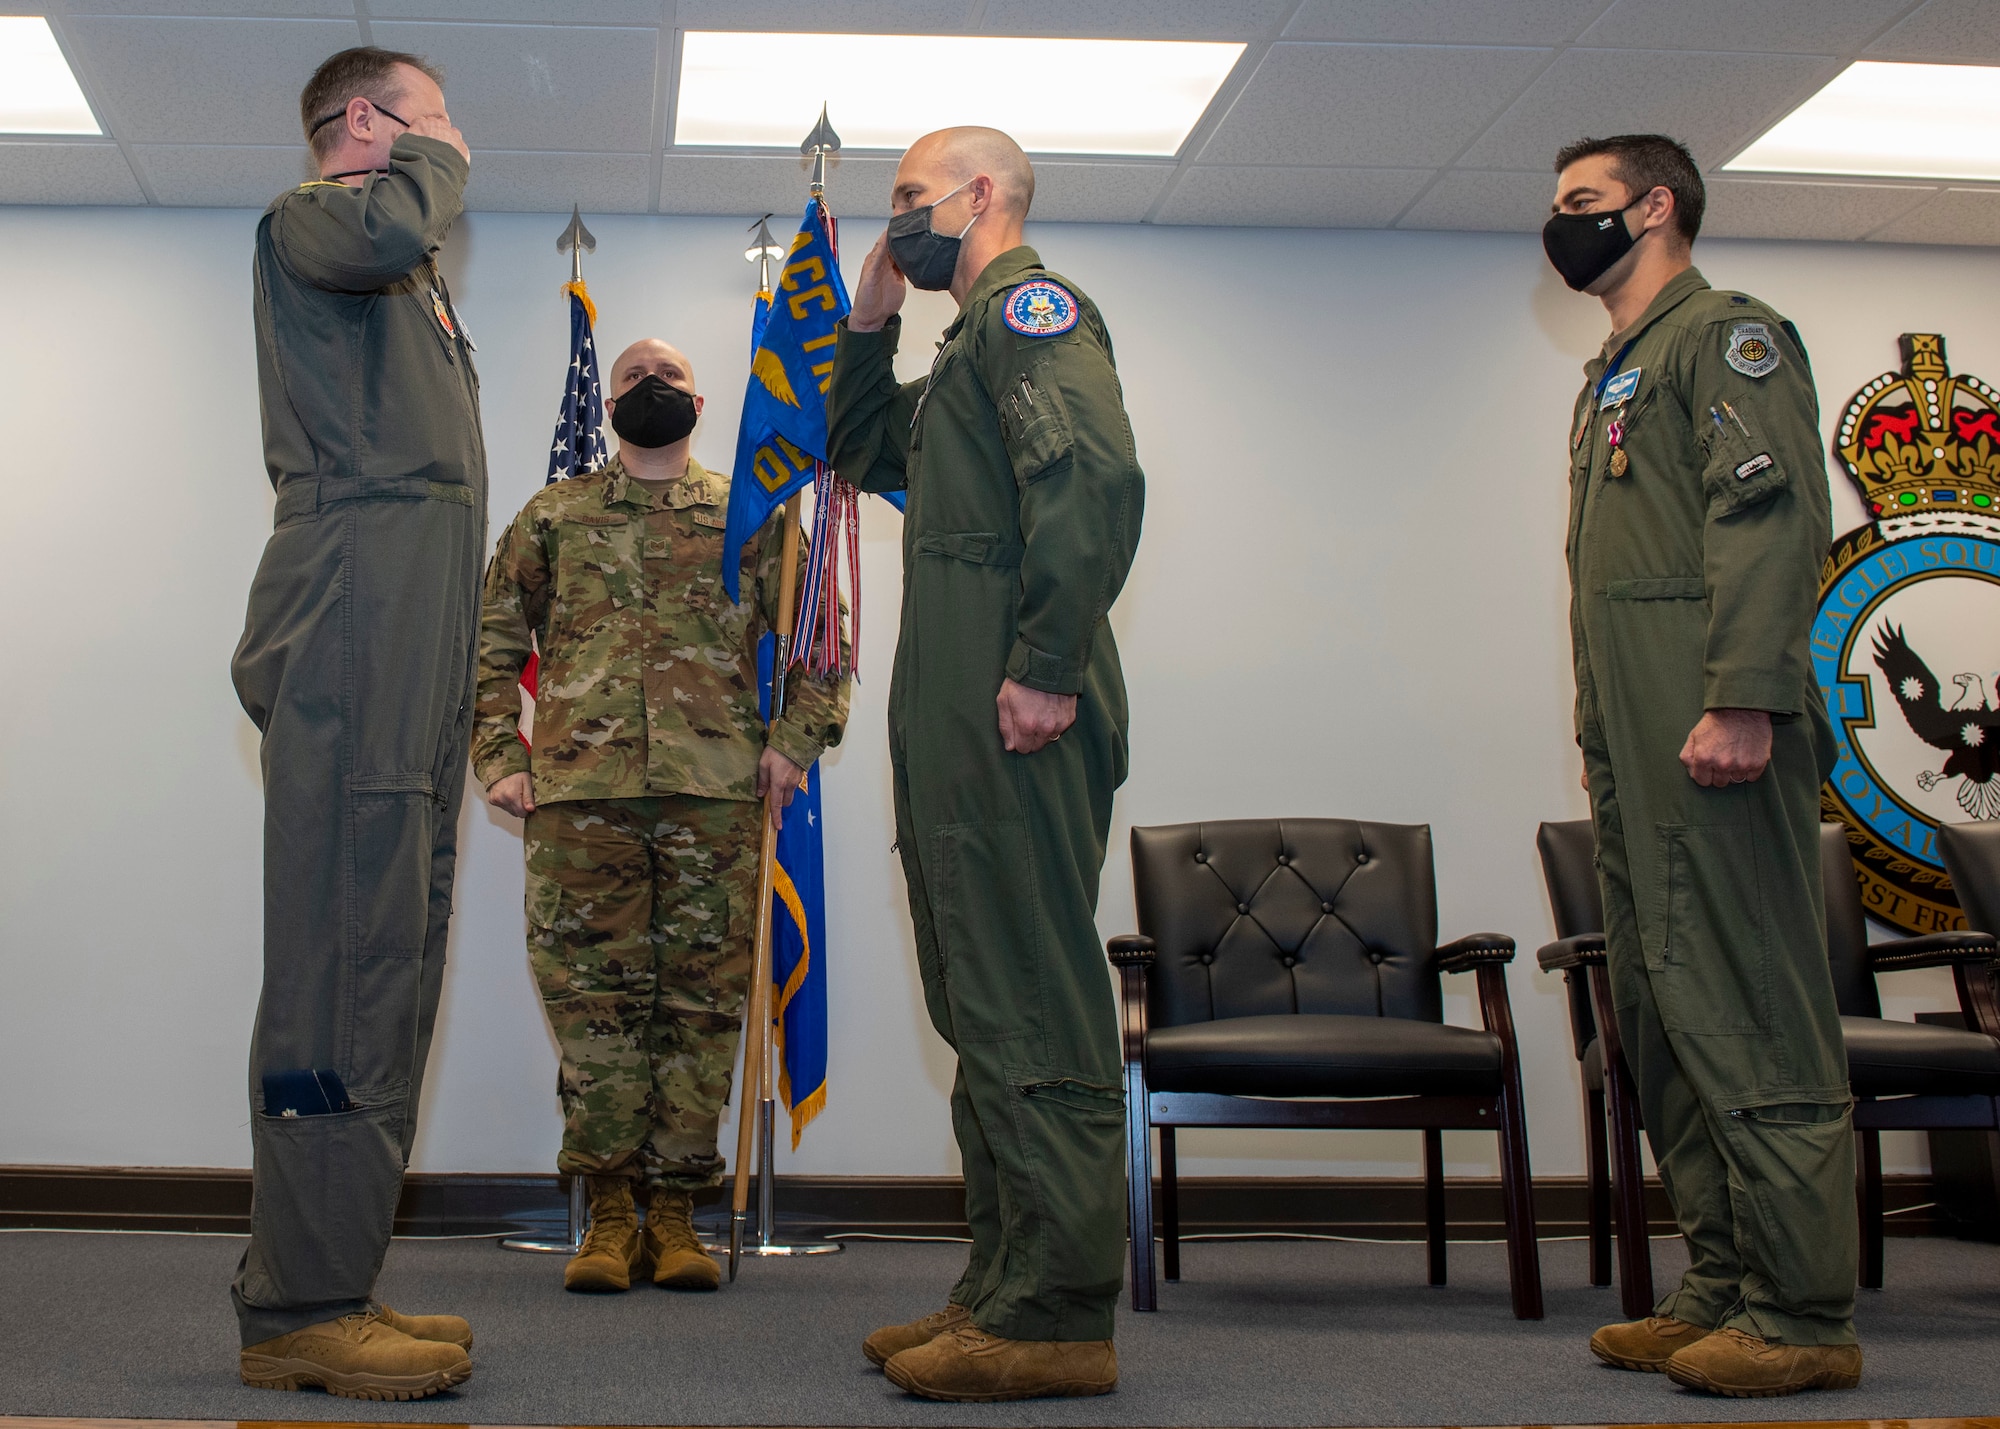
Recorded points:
(1597, 1187)
(1170, 1205)
(1139, 1188)
(1434, 1201)
(1870, 1206)
(1628, 1177)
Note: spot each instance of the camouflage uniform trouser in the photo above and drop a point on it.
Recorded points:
(641, 914)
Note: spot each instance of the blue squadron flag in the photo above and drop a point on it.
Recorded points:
(798, 939)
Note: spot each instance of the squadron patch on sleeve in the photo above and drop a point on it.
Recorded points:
(1751, 350)
(1040, 308)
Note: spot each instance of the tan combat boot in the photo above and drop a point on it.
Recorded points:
(679, 1262)
(445, 1329)
(969, 1366)
(891, 1340)
(358, 1356)
(1744, 1367)
(612, 1250)
(1645, 1345)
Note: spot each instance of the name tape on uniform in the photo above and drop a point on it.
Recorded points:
(1620, 388)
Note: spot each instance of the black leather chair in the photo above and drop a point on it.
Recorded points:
(1910, 1075)
(1569, 869)
(1287, 973)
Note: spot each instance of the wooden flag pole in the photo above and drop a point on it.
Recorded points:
(757, 1019)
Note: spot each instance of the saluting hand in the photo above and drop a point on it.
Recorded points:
(1728, 747)
(880, 293)
(1030, 719)
(439, 126)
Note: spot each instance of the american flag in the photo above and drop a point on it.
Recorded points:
(579, 445)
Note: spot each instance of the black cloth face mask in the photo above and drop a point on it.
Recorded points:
(653, 413)
(928, 258)
(1583, 246)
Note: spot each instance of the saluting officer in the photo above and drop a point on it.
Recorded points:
(1007, 736)
(1698, 520)
(356, 665)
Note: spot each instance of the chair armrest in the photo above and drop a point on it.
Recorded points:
(1130, 950)
(1474, 949)
(1932, 950)
(1578, 950)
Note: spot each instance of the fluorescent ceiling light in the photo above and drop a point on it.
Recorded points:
(38, 94)
(1894, 120)
(883, 91)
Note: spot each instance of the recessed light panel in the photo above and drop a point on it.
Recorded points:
(883, 91)
(1893, 120)
(38, 94)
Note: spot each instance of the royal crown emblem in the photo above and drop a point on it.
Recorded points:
(1924, 446)
(1906, 641)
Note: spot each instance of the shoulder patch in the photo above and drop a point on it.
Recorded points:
(1040, 308)
(1751, 350)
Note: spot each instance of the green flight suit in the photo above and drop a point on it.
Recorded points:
(1694, 573)
(356, 665)
(1024, 506)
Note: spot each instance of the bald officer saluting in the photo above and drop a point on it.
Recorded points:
(1007, 737)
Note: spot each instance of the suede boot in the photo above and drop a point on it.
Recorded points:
(613, 1251)
(445, 1329)
(1645, 1345)
(356, 1357)
(1744, 1367)
(891, 1340)
(969, 1366)
(679, 1262)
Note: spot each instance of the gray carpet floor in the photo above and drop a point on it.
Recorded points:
(1262, 1333)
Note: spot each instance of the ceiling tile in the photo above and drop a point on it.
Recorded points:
(530, 12)
(1478, 201)
(1368, 104)
(214, 176)
(66, 173)
(160, 78)
(553, 87)
(1455, 22)
(290, 9)
(816, 17)
(1714, 103)
(750, 185)
(1292, 198)
(1135, 19)
(1096, 193)
(1820, 27)
(1945, 32)
(1954, 216)
(1767, 208)
(549, 183)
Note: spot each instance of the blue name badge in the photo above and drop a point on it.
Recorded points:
(1620, 388)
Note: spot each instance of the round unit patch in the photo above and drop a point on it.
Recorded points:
(1752, 351)
(1040, 309)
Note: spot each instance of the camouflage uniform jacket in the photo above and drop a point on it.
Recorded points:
(648, 676)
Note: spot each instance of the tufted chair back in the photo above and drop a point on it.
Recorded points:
(1972, 858)
(1846, 927)
(1569, 869)
(1261, 917)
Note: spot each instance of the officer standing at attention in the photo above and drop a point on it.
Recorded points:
(1698, 520)
(640, 795)
(1007, 736)
(356, 665)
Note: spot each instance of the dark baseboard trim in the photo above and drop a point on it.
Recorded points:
(1383, 1208)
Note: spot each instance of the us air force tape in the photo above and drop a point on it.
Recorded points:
(1751, 350)
(1040, 308)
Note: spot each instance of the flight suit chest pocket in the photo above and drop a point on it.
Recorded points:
(1035, 424)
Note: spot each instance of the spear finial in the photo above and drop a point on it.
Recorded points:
(821, 142)
(575, 241)
(764, 250)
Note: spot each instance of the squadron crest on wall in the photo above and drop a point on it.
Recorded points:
(1906, 641)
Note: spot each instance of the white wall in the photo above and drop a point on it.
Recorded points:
(1349, 600)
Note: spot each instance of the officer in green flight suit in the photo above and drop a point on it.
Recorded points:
(1699, 516)
(356, 665)
(1007, 736)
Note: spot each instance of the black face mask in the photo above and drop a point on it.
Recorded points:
(652, 413)
(1583, 246)
(928, 259)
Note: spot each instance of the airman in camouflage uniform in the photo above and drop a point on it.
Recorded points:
(640, 791)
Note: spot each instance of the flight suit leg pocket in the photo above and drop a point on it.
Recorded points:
(393, 830)
(987, 930)
(323, 1204)
(1070, 1127)
(1711, 973)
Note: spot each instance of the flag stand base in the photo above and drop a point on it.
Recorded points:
(767, 1241)
(538, 1245)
